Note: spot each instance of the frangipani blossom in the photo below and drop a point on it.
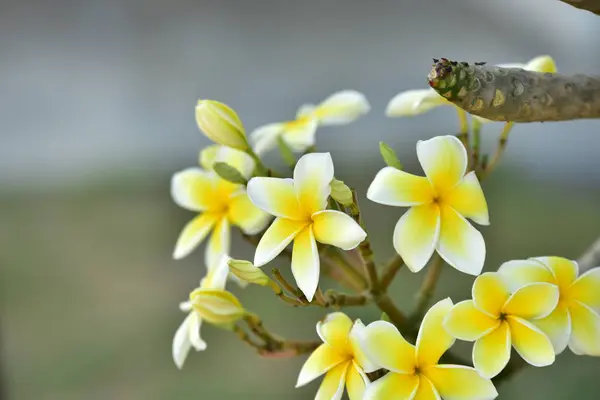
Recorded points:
(339, 358)
(188, 334)
(299, 134)
(419, 101)
(299, 206)
(496, 319)
(219, 202)
(576, 320)
(440, 204)
(414, 372)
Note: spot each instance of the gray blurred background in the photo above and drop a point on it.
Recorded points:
(96, 113)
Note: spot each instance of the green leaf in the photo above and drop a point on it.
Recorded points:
(389, 155)
(341, 193)
(385, 317)
(286, 152)
(229, 173)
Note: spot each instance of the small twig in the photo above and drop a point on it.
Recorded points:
(502, 141)
(337, 300)
(463, 134)
(389, 272)
(428, 287)
(365, 247)
(474, 160)
(396, 316)
(288, 287)
(320, 298)
(591, 257)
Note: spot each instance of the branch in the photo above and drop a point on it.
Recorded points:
(591, 257)
(514, 94)
(588, 5)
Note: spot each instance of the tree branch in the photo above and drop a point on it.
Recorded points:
(588, 5)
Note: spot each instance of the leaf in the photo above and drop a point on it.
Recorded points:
(385, 317)
(286, 152)
(341, 193)
(389, 155)
(229, 173)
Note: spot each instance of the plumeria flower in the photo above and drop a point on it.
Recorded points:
(219, 202)
(188, 334)
(439, 203)
(414, 102)
(338, 109)
(496, 319)
(414, 372)
(576, 320)
(339, 358)
(300, 207)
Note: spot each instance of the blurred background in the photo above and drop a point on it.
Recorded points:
(97, 111)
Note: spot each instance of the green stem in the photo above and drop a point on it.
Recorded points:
(392, 267)
(502, 141)
(476, 147)
(428, 287)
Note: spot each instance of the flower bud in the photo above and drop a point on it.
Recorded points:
(217, 306)
(221, 124)
(247, 272)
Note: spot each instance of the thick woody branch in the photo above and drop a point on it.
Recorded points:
(588, 5)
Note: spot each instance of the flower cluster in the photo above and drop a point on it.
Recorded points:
(538, 306)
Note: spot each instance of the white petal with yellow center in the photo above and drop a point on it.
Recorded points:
(586, 289)
(264, 138)
(467, 322)
(460, 244)
(305, 262)
(385, 346)
(530, 342)
(193, 234)
(565, 271)
(414, 102)
(193, 189)
(468, 200)
(275, 196)
(426, 390)
(337, 229)
(457, 382)
(334, 330)
(393, 386)
(332, 387)
(393, 187)
(361, 359)
(492, 352)
(536, 300)
(219, 243)
(518, 273)
(281, 232)
(323, 359)
(342, 108)
(444, 160)
(585, 332)
(300, 134)
(433, 340)
(490, 292)
(243, 213)
(557, 326)
(416, 235)
(312, 177)
(356, 381)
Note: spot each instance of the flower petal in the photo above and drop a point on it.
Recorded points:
(337, 229)
(586, 289)
(457, 382)
(416, 235)
(323, 359)
(305, 110)
(193, 234)
(460, 245)
(206, 157)
(386, 348)
(194, 332)
(356, 333)
(181, 343)
(585, 333)
(312, 175)
(490, 293)
(530, 342)
(306, 263)
(264, 138)
(332, 387)
(557, 326)
(565, 271)
(426, 390)
(281, 232)
(393, 386)
(193, 189)
(468, 200)
(394, 187)
(275, 196)
(518, 273)
(536, 300)
(444, 160)
(342, 108)
(433, 340)
(243, 213)
(217, 274)
(413, 102)
(219, 243)
(300, 134)
(466, 322)
(334, 330)
(541, 64)
(356, 382)
(236, 158)
(492, 352)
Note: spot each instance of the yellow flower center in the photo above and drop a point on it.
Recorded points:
(296, 124)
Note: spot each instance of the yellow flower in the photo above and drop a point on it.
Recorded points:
(576, 320)
(414, 372)
(339, 358)
(300, 207)
(495, 319)
(221, 124)
(188, 334)
(220, 204)
(299, 134)
(414, 102)
(439, 205)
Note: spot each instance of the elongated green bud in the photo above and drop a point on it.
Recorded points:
(514, 94)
